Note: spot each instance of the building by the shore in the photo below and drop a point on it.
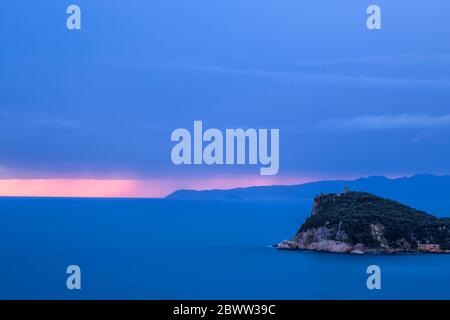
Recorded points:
(429, 247)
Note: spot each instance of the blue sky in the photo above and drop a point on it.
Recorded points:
(103, 101)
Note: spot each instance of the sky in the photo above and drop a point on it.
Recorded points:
(90, 112)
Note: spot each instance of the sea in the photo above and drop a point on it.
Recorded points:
(186, 249)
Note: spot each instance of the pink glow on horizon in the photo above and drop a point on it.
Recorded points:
(64, 187)
(129, 188)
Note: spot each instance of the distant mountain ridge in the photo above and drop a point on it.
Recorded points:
(426, 191)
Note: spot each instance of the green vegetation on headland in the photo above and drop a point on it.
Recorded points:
(359, 222)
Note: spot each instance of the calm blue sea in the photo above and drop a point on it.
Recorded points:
(168, 249)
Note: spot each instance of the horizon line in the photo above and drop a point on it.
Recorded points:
(147, 189)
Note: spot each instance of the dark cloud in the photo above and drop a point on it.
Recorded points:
(104, 100)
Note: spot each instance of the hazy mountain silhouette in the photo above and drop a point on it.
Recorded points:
(423, 191)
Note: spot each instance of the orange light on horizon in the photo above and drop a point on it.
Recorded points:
(126, 188)
(65, 187)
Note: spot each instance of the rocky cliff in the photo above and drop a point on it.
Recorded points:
(358, 222)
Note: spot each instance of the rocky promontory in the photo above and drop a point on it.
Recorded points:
(360, 223)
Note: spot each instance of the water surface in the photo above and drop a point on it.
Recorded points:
(169, 249)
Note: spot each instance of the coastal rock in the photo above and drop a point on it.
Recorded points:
(318, 239)
(289, 245)
(331, 246)
(314, 235)
(360, 223)
(358, 249)
(323, 245)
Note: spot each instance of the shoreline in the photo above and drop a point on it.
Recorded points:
(369, 251)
